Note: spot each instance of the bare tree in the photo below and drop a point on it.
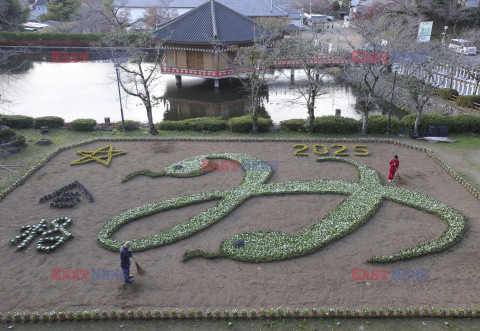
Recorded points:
(305, 53)
(385, 32)
(116, 13)
(253, 63)
(158, 14)
(139, 76)
(421, 80)
(11, 63)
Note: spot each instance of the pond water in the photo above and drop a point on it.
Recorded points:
(89, 90)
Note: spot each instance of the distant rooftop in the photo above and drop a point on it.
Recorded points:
(251, 8)
(472, 3)
(208, 23)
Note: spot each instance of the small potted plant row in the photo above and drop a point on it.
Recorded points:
(62, 198)
(235, 313)
(47, 242)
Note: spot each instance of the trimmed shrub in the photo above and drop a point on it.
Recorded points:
(335, 124)
(171, 125)
(468, 100)
(6, 133)
(296, 125)
(378, 124)
(426, 120)
(17, 121)
(207, 124)
(446, 93)
(83, 124)
(194, 124)
(244, 124)
(129, 125)
(17, 141)
(51, 121)
(463, 123)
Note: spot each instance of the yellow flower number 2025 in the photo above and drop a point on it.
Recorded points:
(339, 150)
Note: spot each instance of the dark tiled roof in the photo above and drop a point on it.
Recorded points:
(291, 27)
(251, 8)
(42, 3)
(207, 23)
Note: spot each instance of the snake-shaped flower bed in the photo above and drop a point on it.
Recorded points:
(364, 197)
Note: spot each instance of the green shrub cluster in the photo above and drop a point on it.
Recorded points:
(51, 36)
(51, 121)
(16, 140)
(6, 133)
(194, 124)
(378, 124)
(468, 100)
(83, 124)
(17, 121)
(446, 93)
(335, 125)
(244, 124)
(129, 125)
(461, 123)
(295, 125)
(465, 123)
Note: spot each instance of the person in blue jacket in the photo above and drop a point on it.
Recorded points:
(125, 256)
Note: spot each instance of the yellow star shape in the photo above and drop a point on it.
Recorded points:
(105, 155)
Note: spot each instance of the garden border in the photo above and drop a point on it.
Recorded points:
(236, 314)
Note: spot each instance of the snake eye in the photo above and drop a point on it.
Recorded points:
(177, 167)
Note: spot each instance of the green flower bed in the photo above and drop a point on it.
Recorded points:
(364, 198)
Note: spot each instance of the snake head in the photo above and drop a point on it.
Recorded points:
(187, 168)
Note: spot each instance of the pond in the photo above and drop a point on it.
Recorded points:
(89, 90)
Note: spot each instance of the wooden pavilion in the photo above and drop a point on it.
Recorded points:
(197, 42)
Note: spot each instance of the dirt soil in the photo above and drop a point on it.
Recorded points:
(321, 279)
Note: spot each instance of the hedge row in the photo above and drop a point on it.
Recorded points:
(194, 124)
(198, 313)
(51, 36)
(244, 124)
(341, 125)
(456, 123)
(27, 122)
(377, 124)
(53, 122)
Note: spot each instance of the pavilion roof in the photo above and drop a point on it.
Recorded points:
(209, 23)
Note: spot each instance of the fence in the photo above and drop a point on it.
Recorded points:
(466, 82)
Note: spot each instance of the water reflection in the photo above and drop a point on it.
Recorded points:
(198, 98)
(88, 90)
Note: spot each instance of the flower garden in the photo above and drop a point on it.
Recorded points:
(265, 228)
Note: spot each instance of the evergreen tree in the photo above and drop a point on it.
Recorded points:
(61, 10)
(12, 14)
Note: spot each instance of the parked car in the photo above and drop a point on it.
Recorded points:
(462, 46)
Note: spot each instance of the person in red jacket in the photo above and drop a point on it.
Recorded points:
(394, 164)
